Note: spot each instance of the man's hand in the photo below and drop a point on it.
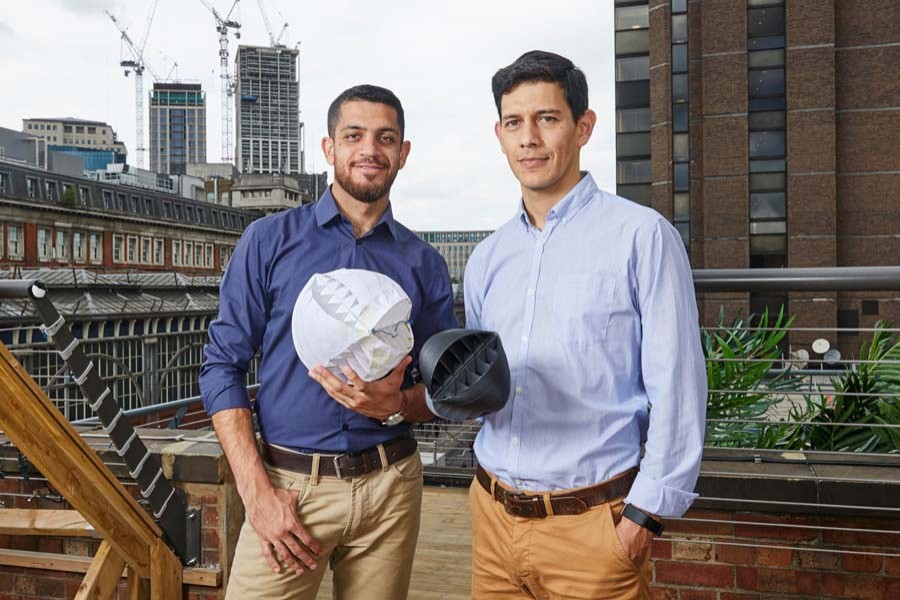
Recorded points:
(636, 540)
(273, 516)
(271, 511)
(377, 399)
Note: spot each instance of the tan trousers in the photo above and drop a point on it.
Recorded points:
(554, 558)
(367, 526)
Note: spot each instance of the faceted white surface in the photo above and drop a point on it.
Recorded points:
(352, 317)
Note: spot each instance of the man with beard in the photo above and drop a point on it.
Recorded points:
(336, 477)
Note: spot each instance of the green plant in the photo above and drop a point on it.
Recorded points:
(739, 364)
(868, 394)
(68, 196)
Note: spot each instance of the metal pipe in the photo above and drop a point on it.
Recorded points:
(155, 408)
(22, 288)
(827, 279)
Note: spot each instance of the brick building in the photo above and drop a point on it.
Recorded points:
(764, 130)
(50, 219)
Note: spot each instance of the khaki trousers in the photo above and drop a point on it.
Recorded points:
(367, 526)
(554, 558)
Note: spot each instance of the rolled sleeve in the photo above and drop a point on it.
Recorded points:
(658, 498)
(673, 372)
(236, 334)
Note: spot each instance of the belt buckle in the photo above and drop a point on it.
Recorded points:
(337, 467)
(534, 504)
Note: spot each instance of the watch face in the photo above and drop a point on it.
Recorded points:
(394, 419)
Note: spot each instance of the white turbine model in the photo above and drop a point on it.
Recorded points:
(355, 318)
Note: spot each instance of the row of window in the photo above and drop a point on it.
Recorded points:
(66, 128)
(121, 201)
(61, 244)
(633, 172)
(82, 247)
(139, 250)
(767, 135)
(681, 152)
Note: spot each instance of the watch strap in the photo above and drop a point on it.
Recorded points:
(638, 516)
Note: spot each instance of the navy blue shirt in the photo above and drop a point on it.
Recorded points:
(271, 263)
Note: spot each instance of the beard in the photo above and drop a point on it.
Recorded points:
(364, 191)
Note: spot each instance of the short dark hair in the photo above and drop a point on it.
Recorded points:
(367, 93)
(538, 65)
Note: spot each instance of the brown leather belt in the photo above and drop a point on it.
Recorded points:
(342, 466)
(569, 502)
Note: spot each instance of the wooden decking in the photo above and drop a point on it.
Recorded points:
(442, 569)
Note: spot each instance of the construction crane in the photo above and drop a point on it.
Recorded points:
(273, 41)
(227, 83)
(137, 64)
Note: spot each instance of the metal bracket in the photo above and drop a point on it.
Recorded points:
(192, 537)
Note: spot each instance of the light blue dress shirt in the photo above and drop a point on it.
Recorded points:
(598, 318)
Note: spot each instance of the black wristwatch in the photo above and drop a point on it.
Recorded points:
(638, 516)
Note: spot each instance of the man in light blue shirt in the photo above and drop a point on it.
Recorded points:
(593, 298)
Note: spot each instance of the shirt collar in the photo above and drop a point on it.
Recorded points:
(327, 211)
(571, 203)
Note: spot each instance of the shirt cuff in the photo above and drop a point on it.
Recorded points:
(232, 395)
(657, 498)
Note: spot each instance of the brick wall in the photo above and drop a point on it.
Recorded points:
(738, 559)
(212, 490)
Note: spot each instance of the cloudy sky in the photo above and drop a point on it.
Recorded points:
(61, 58)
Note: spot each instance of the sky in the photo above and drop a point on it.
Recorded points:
(61, 58)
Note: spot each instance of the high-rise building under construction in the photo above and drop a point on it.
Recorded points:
(267, 121)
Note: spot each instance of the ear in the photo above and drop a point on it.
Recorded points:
(404, 152)
(328, 150)
(584, 127)
(497, 133)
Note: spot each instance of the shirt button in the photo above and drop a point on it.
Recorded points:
(518, 483)
(345, 427)
(519, 389)
(514, 440)
(531, 291)
(524, 338)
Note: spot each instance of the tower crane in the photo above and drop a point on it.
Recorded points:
(273, 41)
(137, 64)
(227, 83)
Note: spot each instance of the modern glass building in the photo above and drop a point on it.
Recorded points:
(94, 159)
(177, 127)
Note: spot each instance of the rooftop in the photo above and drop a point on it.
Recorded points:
(71, 120)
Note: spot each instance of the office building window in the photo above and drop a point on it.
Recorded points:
(145, 251)
(84, 196)
(78, 243)
(632, 74)
(132, 245)
(176, 253)
(14, 245)
(4, 184)
(118, 248)
(31, 187)
(198, 254)
(62, 245)
(107, 199)
(44, 243)
(96, 247)
(767, 140)
(209, 256)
